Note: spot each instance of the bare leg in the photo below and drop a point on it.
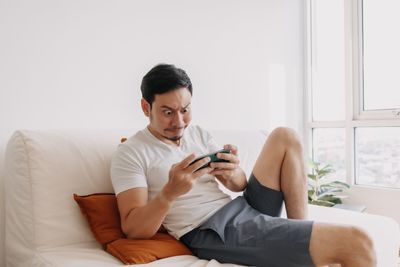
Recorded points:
(280, 166)
(341, 245)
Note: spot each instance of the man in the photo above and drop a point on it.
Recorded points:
(156, 185)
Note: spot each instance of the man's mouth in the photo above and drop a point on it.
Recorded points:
(174, 129)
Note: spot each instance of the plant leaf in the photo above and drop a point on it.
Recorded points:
(323, 173)
(341, 196)
(339, 183)
(321, 192)
(312, 176)
(328, 190)
(335, 184)
(327, 167)
(332, 198)
(313, 164)
(322, 203)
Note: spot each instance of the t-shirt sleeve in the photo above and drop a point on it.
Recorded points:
(127, 170)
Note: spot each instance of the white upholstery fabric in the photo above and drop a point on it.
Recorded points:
(91, 255)
(44, 224)
(49, 168)
(43, 170)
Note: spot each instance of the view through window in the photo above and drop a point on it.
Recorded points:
(363, 150)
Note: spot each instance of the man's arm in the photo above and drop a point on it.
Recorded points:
(235, 182)
(141, 218)
(230, 174)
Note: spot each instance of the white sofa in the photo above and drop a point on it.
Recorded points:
(44, 226)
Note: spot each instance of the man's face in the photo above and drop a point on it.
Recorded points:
(169, 114)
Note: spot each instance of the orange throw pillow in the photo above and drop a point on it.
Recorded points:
(102, 214)
(101, 211)
(141, 251)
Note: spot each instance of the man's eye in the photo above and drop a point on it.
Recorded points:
(168, 113)
(185, 110)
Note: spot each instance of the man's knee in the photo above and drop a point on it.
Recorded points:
(347, 245)
(287, 136)
(363, 244)
(360, 248)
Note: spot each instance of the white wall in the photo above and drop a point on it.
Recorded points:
(79, 63)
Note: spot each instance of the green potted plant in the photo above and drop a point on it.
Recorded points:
(321, 191)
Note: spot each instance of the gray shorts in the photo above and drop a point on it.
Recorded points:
(247, 231)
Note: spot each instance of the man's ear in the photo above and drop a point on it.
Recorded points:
(145, 107)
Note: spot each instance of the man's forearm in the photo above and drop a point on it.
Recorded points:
(144, 222)
(236, 183)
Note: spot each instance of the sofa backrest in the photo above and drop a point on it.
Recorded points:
(44, 168)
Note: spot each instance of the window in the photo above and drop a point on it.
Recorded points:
(354, 89)
(377, 154)
(329, 148)
(381, 56)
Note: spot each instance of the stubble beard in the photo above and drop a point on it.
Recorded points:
(175, 138)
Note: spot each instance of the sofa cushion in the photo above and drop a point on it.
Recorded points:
(45, 168)
(101, 212)
(141, 251)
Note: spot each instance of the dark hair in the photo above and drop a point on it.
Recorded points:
(162, 79)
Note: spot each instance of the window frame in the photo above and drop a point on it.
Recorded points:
(355, 116)
(355, 19)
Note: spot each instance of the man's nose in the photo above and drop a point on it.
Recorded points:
(178, 120)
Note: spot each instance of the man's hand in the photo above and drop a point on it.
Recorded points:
(182, 177)
(226, 169)
(229, 173)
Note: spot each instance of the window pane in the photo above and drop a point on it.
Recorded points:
(378, 156)
(328, 148)
(381, 39)
(328, 60)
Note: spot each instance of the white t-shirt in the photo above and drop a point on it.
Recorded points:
(145, 161)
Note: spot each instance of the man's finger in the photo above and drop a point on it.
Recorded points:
(230, 157)
(223, 165)
(186, 161)
(233, 148)
(202, 172)
(218, 172)
(196, 165)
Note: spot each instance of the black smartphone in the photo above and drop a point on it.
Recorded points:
(213, 158)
